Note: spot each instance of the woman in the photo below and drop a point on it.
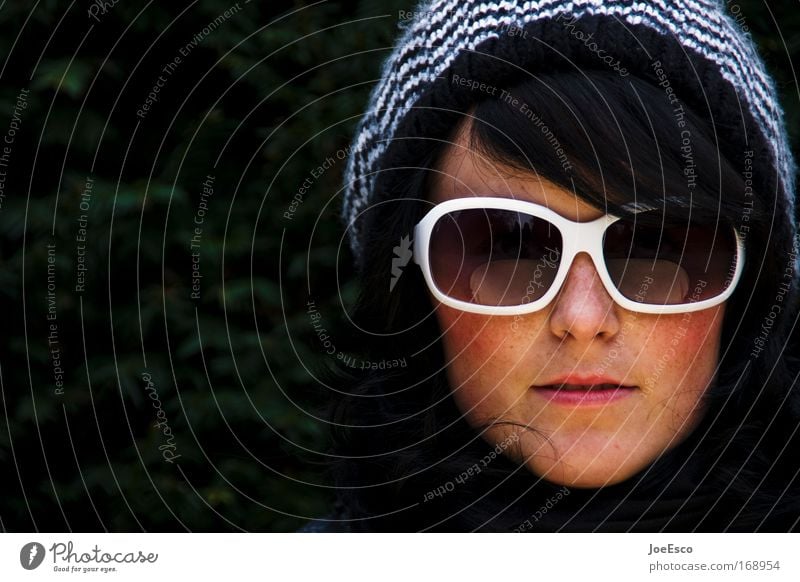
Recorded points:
(595, 324)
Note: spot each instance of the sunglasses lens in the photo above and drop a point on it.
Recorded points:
(667, 264)
(494, 257)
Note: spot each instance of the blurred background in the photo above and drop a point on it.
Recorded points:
(170, 181)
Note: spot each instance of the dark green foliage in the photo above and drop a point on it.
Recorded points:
(259, 103)
(264, 98)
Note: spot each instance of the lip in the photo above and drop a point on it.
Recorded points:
(584, 390)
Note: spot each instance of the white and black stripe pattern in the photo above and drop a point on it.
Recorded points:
(449, 28)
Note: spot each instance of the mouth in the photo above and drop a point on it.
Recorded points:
(585, 394)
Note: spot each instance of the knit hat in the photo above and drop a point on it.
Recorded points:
(693, 49)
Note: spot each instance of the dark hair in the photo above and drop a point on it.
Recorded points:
(398, 435)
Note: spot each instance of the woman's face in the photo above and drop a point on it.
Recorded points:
(495, 363)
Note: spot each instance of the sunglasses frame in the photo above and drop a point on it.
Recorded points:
(576, 237)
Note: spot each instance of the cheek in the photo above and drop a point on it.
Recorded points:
(685, 342)
(470, 343)
(681, 362)
(467, 333)
(485, 361)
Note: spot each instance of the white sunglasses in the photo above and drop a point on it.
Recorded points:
(501, 256)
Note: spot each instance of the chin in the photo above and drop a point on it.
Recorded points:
(582, 475)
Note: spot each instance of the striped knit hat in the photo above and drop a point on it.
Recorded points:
(692, 47)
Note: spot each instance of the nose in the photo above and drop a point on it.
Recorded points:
(583, 308)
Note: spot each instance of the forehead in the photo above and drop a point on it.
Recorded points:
(464, 172)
